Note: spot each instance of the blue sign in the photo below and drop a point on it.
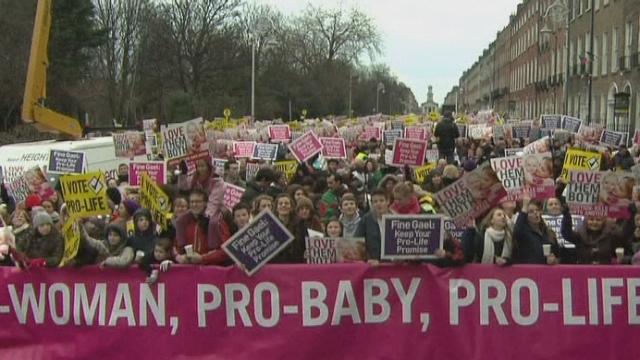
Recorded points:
(555, 222)
(258, 242)
(267, 152)
(411, 237)
(66, 162)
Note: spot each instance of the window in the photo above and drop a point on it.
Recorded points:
(596, 56)
(579, 55)
(574, 9)
(572, 55)
(587, 5)
(597, 4)
(581, 7)
(605, 2)
(605, 54)
(588, 56)
(614, 50)
(628, 43)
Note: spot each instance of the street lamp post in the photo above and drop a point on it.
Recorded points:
(546, 31)
(380, 87)
(563, 6)
(589, 100)
(253, 80)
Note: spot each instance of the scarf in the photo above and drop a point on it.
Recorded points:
(492, 236)
(413, 208)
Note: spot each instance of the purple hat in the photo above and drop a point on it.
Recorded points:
(131, 206)
(469, 165)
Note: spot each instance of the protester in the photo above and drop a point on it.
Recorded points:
(597, 241)
(241, 216)
(349, 217)
(494, 240)
(262, 202)
(161, 255)
(199, 240)
(329, 203)
(120, 253)
(285, 209)
(531, 237)
(370, 225)
(232, 173)
(334, 228)
(45, 245)
(446, 132)
(144, 236)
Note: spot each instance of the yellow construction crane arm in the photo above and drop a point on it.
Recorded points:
(35, 90)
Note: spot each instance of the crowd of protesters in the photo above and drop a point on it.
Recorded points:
(339, 198)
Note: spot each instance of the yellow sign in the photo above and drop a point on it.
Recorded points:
(577, 159)
(85, 194)
(71, 232)
(156, 201)
(423, 171)
(288, 167)
(227, 113)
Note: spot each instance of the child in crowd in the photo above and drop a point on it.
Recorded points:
(162, 255)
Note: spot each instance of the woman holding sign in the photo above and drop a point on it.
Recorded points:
(534, 242)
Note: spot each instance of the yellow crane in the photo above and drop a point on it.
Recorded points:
(34, 110)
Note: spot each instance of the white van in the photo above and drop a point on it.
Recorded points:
(99, 152)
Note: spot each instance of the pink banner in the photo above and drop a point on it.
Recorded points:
(343, 311)
(279, 133)
(409, 152)
(243, 149)
(333, 148)
(305, 146)
(154, 169)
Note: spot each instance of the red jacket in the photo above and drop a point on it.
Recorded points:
(206, 235)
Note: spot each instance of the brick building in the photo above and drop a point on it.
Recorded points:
(523, 72)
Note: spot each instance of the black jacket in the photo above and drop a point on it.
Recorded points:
(527, 242)
(447, 132)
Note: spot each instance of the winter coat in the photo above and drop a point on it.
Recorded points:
(49, 247)
(120, 255)
(594, 247)
(369, 229)
(447, 132)
(143, 240)
(91, 251)
(206, 234)
(527, 242)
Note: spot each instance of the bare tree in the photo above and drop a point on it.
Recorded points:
(117, 60)
(194, 28)
(322, 35)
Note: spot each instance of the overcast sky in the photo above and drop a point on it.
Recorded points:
(426, 41)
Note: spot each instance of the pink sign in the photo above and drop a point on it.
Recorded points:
(243, 149)
(372, 132)
(279, 133)
(191, 161)
(385, 312)
(305, 146)
(333, 148)
(154, 169)
(409, 152)
(232, 195)
(417, 133)
(472, 195)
